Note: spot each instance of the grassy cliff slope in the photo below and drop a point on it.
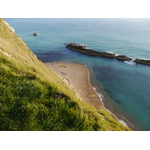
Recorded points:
(33, 98)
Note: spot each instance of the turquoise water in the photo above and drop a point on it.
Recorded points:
(125, 87)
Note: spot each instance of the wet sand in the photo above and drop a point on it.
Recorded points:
(78, 78)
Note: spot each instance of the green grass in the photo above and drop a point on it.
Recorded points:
(33, 98)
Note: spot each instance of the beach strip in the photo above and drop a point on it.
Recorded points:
(78, 78)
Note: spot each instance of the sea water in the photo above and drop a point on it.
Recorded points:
(125, 86)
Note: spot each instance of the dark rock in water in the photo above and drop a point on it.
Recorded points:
(107, 54)
(123, 58)
(84, 50)
(142, 61)
(35, 34)
(77, 46)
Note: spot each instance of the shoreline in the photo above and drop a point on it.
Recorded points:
(77, 77)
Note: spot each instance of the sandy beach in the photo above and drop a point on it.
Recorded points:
(78, 78)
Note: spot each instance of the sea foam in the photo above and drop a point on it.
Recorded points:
(130, 62)
(119, 120)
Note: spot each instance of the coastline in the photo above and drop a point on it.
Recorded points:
(78, 78)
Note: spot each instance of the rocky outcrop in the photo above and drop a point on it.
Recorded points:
(35, 34)
(123, 58)
(84, 50)
(142, 61)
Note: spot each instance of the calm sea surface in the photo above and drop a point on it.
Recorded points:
(125, 87)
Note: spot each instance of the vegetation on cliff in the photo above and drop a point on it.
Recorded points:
(33, 98)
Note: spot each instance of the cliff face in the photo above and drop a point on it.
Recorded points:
(33, 98)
